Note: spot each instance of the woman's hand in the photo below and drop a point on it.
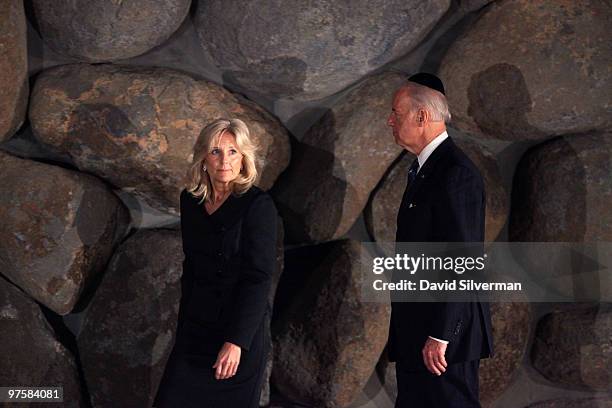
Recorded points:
(227, 361)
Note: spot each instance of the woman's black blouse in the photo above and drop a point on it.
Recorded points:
(230, 256)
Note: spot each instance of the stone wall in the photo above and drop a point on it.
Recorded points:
(102, 101)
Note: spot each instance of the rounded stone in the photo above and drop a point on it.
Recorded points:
(310, 50)
(532, 70)
(572, 347)
(327, 342)
(13, 68)
(58, 228)
(561, 194)
(562, 191)
(511, 328)
(595, 402)
(100, 30)
(32, 355)
(129, 327)
(135, 127)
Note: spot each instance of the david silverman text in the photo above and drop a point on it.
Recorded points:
(464, 284)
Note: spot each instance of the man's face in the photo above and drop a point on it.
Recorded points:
(406, 130)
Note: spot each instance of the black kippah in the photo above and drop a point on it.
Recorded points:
(428, 80)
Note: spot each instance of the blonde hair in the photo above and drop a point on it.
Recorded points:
(198, 181)
(429, 99)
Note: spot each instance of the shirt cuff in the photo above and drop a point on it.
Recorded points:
(440, 340)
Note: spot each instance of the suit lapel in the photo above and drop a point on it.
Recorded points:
(428, 168)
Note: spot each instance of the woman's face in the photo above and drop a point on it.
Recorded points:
(223, 160)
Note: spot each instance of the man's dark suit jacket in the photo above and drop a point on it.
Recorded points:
(445, 203)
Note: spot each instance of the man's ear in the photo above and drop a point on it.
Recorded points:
(421, 115)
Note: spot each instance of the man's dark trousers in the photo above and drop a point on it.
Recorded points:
(457, 387)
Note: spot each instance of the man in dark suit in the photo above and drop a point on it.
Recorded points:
(437, 346)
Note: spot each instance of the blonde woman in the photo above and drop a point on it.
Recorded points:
(229, 240)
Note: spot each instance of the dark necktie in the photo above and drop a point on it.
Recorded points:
(412, 173)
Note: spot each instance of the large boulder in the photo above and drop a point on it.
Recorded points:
(338, 163)
(128, 330)
(327, 343)
(32, 355)
(136, 127)
(572, 348)
(596, 402)
(532, 70)
(58, 228)
(310, 50)
(511, 329)
(99, 30)
(381, 212)
(13, 67)
(562, 193)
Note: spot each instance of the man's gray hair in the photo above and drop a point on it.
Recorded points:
(429, 99)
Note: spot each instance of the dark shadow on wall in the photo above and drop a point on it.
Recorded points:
(368, 211)
(303, 120)
(312, 178)
(306, 277)
(436, 54)
(68, 340)
(499, 102)
(299, 263)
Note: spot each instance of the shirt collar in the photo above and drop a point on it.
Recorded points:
(428, 150)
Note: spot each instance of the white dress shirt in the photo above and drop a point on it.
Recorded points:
(428, 150)
(422, 157)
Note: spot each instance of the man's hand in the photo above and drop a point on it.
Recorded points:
(433, 356)
(227, 361)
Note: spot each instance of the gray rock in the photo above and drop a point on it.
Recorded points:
(57, 230)
(128, 330)
(562, 193)
(511, 329)
(573, 349)
(328, 341)
(338, 163)
(32, 356)
(603, 402)
(136, 127)
(310, 50)
(100, 30)
(528, 71)
(13, 68)
(381, 212)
